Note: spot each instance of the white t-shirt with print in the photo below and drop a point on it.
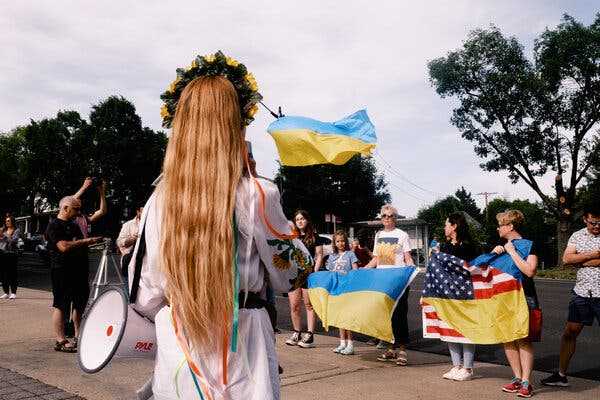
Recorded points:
(390, 247)
(588, 278)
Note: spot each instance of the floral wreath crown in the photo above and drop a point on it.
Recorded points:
(213, 65)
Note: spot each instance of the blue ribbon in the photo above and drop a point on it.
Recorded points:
(236, 290)
(196, 383)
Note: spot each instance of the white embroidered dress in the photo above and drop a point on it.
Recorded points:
(253, 369)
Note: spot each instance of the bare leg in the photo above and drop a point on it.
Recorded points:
(295, 298)
(76, 322)
(526, 358)
(58, 324)
(568, 344)
(512, 354)
(310, 313)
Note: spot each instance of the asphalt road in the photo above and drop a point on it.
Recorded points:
(554, 297)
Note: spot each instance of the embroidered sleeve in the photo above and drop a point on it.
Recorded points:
(287, 260)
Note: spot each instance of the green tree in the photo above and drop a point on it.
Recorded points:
(538, 226)
(529, 117)
(48, 159)
(12, 183)
(467, 203)
(125, 154)
(353, 191)
(51, 157)
(436, 214)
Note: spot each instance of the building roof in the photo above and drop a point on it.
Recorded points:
(399, 222)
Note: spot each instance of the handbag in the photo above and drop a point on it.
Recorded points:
(535, 325)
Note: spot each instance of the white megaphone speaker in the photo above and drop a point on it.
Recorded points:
(112, 328)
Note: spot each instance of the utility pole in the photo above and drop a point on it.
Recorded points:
(486, 196)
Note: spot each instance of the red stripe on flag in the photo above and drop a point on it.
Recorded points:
(443, 331)
(431, 315)
(498, 288)
(487, 277)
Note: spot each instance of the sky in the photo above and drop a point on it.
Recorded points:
(319, 59)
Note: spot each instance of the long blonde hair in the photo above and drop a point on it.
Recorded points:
(201, 171)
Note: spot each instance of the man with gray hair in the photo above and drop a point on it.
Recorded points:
(392, 250)
(69, 269)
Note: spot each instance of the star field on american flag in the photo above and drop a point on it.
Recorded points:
(447, 278)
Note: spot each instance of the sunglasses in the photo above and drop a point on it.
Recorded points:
(383, 216)
(593, 223)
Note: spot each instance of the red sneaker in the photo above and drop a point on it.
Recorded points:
(512, 387)
(525, 391)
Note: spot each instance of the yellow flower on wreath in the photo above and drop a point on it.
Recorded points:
(173, 85)
(231, 62)
(193, 65)
(164, 111)
(251, 81)
(210, 58)
(253, 110)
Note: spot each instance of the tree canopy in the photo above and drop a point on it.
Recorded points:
(48, 159)
(462, 201)
(529, 116)
(353, 191)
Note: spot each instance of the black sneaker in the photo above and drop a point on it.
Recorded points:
(555, 379)
(307, 340)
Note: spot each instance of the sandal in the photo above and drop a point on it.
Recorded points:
(388, 356)
(402, 359)
(62, 347)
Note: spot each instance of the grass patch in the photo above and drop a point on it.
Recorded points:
(557, 273)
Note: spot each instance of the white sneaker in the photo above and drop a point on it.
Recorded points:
(348, 350)
(4, 296)
(339, 348)
(293, 339)
(462, 375)
(452, 373)
(12, 296)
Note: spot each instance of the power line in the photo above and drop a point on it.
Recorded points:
(407, 193)
(486, 195)
(404, 178)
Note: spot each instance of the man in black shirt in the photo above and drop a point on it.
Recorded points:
(69, 269)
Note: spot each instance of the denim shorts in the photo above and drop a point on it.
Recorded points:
(583, 310)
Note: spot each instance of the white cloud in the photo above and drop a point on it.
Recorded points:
(313, 58)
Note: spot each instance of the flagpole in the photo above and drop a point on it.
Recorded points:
(273, 113)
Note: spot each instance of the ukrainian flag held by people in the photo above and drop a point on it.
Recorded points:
(361, 300)
(480, 302)
(303, 141)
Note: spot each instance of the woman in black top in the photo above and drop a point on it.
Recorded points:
(459, 243)
(314, 244)
(520, 352)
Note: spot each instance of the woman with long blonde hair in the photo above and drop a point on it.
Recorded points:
(203, 278)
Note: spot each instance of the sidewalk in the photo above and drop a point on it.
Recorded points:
(26, 351)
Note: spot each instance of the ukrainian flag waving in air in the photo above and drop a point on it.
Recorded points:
(361, 300)
(303, 141)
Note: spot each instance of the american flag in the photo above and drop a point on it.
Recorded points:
(450, 278)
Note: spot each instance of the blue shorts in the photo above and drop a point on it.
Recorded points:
(583, 310)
